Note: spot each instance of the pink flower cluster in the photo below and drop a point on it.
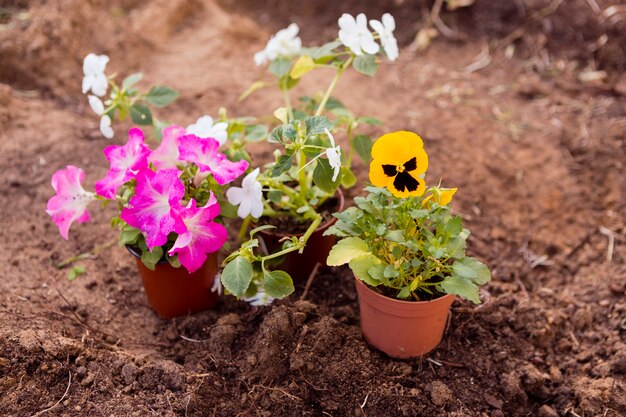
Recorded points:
(156, 208)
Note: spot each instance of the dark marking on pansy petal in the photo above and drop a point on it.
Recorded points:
(411, 164)
(404, 181)
(390, 170)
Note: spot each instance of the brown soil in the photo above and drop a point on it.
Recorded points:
(537, 154)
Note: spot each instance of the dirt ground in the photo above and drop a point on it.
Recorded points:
(533, 132)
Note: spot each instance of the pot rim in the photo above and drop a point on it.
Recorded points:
(320, 228)
(402, 302)
(403, 308)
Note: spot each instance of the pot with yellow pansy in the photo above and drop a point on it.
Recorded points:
(406, 250)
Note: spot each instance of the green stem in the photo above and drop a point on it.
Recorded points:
(299, 246)
(332, 85)
(302, 179)
(244, 228)
(287, 104)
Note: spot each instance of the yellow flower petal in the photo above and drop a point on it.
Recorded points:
(426, 200)
(445, 196)
(377, 176)
(398, 148)
(441, 196)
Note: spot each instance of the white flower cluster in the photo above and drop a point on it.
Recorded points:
(285, 43)
(354, 34)
(95, 79)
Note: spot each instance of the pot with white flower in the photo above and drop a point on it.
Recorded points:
(168, 202)
(406, 250)
(289, 203)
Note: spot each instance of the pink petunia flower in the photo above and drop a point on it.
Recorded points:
(166, 156)
(203, 235)
(204, 153)
(125, 162)
(154, 209)
(71, 200)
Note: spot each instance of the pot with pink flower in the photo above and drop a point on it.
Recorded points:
(168, 202)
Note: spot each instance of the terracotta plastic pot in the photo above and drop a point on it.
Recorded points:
(402, 329)
(300, 266)
(175, 292)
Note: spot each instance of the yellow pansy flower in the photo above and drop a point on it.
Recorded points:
(441, 196)
(399, 162)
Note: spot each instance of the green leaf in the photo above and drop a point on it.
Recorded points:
(75, 271)
(236, 276)
(366, 64)
(378, 272)
(277, 284)
(405, 292)
(369, 120)
(131, 80)
(129, 236)
(316, 125)
(324, 51)
(391, 272)
(228, 210)
(140, 114)
(456, 247)
(347, 249)
(348, 179)
(323, 176)
(161, 96)
(280, 66)
(396, 236)
(255, 133)
(473, 270)
(349, 215)
(173, 260)
(361, 266)
(283, 164)
(150, 259)
(465, 288)
(276, 135)
(274, 196)
(419, 213)
(287, 83)
(303, 65)
(454, 226)
(363, 146)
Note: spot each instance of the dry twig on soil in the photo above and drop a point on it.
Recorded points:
(69, 383)
(309, 281)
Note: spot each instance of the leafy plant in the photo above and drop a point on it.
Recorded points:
(171, 199)
(405, 242)
(308, 165)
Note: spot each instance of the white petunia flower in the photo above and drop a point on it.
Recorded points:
(385, 32)
(249, 197)
(205, 128)
(96, 105)
(284, 43)
(105, 127)
(354, 34)
(259, 299)
(334, 155)
(94, 78)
